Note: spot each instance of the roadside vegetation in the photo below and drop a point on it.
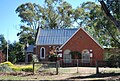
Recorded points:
(15, 68)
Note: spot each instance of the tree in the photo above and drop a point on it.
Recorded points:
(57, 14)
(53, 15)
(3, 44)
(97, 24)
(16, 52)
(114, 7)
(26, 35)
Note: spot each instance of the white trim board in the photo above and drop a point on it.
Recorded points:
(86, 33)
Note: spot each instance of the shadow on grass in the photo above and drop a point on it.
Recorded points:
(100, 75)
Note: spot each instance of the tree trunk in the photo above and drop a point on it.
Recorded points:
(108, 14)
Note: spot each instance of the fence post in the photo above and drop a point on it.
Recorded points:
(77, 65)
(33, 67)
(97, 67)
(57, 64)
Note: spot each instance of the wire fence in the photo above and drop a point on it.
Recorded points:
(75, 66)
(44, 68)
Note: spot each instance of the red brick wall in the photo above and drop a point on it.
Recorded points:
(47, 49)
(80, 41)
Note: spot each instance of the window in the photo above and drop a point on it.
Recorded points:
(42, 53)
(57, 48)
(67, 56)
(85, 56)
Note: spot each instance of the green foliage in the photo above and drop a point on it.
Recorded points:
(7, 63)
(53, 15)
(113, 5)
(16, 68)
(57, 14)
(113, 60)
(75, 55)
(99, 26)
(52, 57)
(16, 52)
(12, 67)
(27, 68)
(5, 68)
(3, 44)
(60, 14)
(25, 34)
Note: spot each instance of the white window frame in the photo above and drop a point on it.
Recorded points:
(41, 53)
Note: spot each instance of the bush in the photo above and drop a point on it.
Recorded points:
(8, 66)
(27, 68)
(113, 60)
(5, 68)
(16, 68)
(53, 57)
(7, 63)
(75, 55)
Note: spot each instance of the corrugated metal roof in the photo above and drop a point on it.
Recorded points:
(54, 36)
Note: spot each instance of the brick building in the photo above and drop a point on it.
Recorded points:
(67, 41)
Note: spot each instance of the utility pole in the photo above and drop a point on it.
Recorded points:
(7, 43)
(7, 50)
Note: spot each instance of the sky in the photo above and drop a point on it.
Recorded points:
(9, 20)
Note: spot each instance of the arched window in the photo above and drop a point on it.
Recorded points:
(42, 53)
(67, 56)
(85, 56)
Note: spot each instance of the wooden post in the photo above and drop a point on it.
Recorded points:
(57, 64)
(97, 68)
(33, 67)
(77, 65)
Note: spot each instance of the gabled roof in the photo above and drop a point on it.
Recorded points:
(84, 32)
(58, 36)
(53, 36)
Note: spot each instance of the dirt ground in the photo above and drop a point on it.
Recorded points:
(73, 73)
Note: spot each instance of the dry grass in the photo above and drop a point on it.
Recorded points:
(84, 73)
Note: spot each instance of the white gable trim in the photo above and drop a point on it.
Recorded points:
(37, 36)
(93, 39)
(86, 33)
(69, 38)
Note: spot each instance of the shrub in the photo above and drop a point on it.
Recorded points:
(113, 60)
(9, 67)
(75, 55)
(27, 68)
(5, 68)
(16, 68)
(7, 63)
(53, 57)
